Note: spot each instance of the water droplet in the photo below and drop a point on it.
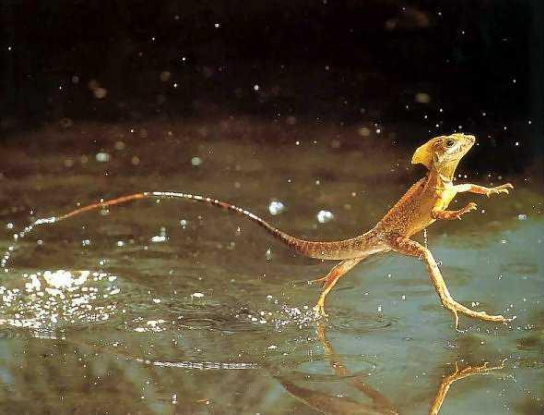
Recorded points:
(165, 76)
(120, 145)
(102, 157)
(363, 131)
(324, 216)
(275, 207)
(100, 92)
(161, 237)
(422, 98)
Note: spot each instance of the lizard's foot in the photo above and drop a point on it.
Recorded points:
(454, 307)
(319, 310)
(468, 208)
(458, 213)
(505, 188)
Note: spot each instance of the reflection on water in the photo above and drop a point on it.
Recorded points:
(175, 308)
(377, 403)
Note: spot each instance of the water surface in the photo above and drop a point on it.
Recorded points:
(173, 307)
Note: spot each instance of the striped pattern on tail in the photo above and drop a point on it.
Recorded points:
(321, 250)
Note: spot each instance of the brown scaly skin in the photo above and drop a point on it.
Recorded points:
(424, 203)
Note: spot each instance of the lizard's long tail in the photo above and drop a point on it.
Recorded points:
(321, 250)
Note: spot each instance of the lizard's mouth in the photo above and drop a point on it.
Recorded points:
(471, 139)
(469, 142)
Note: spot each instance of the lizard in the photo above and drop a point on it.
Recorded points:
(422, 205)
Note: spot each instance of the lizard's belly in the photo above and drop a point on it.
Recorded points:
(423, 218)
(446, 196)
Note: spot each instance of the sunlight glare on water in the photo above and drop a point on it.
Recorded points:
(58, 298)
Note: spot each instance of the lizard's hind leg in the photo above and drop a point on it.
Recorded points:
(330, 280)
(412, 248)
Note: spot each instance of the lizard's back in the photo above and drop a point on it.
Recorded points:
(412, 213)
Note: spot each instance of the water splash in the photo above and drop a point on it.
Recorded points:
(281, 316)
(20, 235)
(53, 299)
(43, 221)
(202, 365)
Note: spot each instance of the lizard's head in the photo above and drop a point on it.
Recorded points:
(443, 151)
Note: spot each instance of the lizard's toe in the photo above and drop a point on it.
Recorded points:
(319, 311)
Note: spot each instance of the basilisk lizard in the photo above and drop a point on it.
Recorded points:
(424, 203)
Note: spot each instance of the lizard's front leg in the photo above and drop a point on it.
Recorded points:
(482, 190)
(408, 247)
(439, 213)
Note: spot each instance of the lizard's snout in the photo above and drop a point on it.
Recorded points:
(471, 138)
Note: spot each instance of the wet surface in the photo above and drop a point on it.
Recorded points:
(175, 307)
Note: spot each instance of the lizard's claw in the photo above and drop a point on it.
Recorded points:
(468, 208)
(505, 188)
(455, 309)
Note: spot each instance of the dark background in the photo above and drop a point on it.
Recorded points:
(432, 65)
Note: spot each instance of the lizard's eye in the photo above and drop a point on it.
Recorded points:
(450, 143)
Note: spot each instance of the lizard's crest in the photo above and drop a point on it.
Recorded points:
(443, 150)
